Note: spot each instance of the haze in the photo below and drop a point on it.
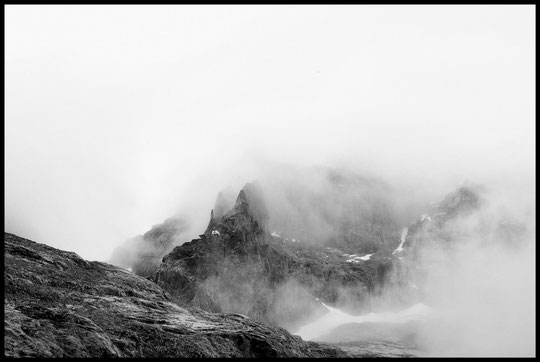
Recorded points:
(118, 117)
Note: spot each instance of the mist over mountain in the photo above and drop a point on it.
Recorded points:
(299, 240)
(270, 180)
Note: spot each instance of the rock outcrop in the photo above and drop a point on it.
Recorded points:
(237, 266)
(59, 305)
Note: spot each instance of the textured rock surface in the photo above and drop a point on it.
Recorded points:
(59, 305)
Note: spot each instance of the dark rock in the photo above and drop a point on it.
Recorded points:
(59, 305)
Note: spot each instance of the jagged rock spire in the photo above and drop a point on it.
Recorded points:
(251, 201)
(224, 203)
(249, 214)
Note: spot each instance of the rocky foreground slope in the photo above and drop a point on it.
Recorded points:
(59, 305)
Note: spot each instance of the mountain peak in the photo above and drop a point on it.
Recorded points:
(248, 215)
(224, 203)
(251, 200)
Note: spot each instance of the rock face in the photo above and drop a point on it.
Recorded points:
(59, 305)
(237, 266)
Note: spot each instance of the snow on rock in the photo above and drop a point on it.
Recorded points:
(403, 239)
(353, 258)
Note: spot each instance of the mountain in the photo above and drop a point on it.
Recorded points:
(301, 237)
(464, 218)
(143, 253)
(59, 305)
(316, 205)
(331, 207)
(239, 266)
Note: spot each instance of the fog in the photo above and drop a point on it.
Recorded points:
(483, 290)
(485, 302)
(118, 117)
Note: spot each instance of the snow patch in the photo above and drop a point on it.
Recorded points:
(215, 232)
(356, 259)
(404, 232)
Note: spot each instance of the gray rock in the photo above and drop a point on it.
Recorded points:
(59, 305)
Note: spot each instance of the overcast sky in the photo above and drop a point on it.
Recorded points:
(115, 115)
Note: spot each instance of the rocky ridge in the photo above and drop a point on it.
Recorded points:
(59, 305)
(318, 206)
(238, 266)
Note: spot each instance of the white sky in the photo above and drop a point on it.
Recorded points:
(115, 114)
